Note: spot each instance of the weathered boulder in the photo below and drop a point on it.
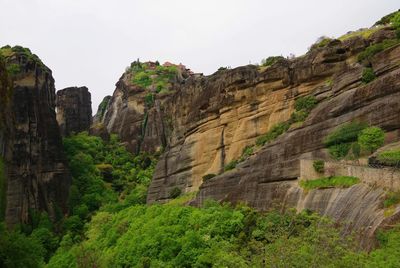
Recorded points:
(74, 110)
(37, 176)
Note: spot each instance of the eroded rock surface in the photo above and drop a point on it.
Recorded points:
(74, 110)
(37, 177)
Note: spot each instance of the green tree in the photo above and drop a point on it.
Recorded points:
(368, 75)
(19, 250)
(371, 138)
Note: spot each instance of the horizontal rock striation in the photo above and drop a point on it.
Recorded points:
(37, 176)
(74, 110)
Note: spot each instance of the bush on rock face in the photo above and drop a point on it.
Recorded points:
(319, 166)
(371, 138)
(390, 158)
(368, 75)
(175, 192)
(231, 165)
(341, 139)
(271, 60)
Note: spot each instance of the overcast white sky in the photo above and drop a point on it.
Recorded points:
(91, 42)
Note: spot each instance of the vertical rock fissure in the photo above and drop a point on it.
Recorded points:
(143, 132)
(223, 154)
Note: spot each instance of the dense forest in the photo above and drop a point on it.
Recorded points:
(109, 225)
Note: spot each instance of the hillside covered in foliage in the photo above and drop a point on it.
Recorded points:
(109, 225)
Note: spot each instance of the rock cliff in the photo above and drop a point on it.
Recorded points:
(205, 122)
(74, 110)
(36, 175)
(98, 118)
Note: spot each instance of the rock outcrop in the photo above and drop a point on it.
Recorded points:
(37, 177)
(74, 110)
(205, 122)
(98, 118)
(141, 116)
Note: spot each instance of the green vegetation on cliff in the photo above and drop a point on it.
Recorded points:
(8, 51)
(110, 226)
(330, 182)
(356, 136)
(340, 140)
(212, 236)
(390, 158)
(153, 75)
(105, 176)
(374, 49)
(271, 60)
(105, 173)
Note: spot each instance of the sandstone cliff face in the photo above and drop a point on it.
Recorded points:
(74, 110)
(141, 126)
(270, 177)
(37, 177)
(207, 121)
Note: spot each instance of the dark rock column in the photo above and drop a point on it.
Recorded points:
(74, 110)
(36, 173)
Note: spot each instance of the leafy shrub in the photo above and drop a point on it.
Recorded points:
(136, 196)
(231, 165)
(390, 158)
(305, 103)
(319, 166)
(175, 192)
(273, 133)
(303, 107)
(372, 50)
(387, 19)
(87, 156)
(142, 79)
(208, 176)
(19, 250)
(342, 139)
(149, 99)
(368, 75)
(329, 182)
(395, 20)
(322, 41)
(346, 133)
(271, 60)
(161, 86)
(371, 138)
(339, 151)
(246, 153)
(364, 33)
(298, 116)
(392, 198)
(212, 236)
(13, 69)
